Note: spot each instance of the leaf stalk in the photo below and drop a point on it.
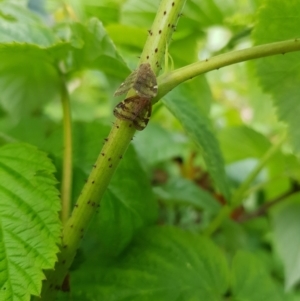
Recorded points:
(169, 81)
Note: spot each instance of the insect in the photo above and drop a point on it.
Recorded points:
(142, 80)
(136, 109)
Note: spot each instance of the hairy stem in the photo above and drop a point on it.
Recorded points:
(88, 204)
(115, 146)
(66, 182)
(161, 32)
(169, 81)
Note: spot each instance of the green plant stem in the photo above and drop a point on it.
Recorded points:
(161, 32)
(266, 206)
(262, 185)
(217, 221)
(169, 81)
(114, 148)
(66, 182)
(238, 196)
(88, 204)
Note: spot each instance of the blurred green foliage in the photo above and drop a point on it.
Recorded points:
(203, 140)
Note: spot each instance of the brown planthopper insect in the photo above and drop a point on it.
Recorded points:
(137, 108)
(142, 80)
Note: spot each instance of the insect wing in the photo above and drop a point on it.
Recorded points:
(123, 109)
(143, 80)
(145, 84)
(127, 84)
(142, 120)
(136, 109)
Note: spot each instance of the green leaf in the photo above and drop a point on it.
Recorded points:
(30, 226)
(198, 14)
(107, 11)
(279, 174)
(247, 236)
(238, 143)
(286, 223)
(18, 24)
(294, 296)
(95, 49)
(24, 92)
(48, 136)
(129, 202)
(127, 206)
(156, 144)
(241, 142)
(250, 281)
(127, 35)
(205, 13)
(141, 14)
(162, 264)
(184, 192)
(35, 131)
(280, 75)
(197, 126)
